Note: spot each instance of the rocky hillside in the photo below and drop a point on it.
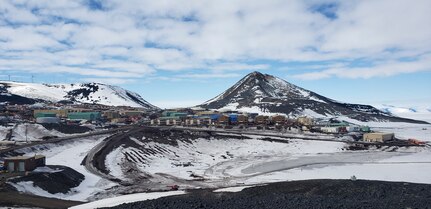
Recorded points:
(265, 93)
(29, 93)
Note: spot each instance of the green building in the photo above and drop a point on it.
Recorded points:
(84, 116)
(174, 114)
(45, 115)
(365, 129)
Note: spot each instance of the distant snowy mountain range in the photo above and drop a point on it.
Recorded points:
(267, 94)
(29, 93)
(414, 112)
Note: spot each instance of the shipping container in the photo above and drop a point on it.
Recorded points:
(233, 118)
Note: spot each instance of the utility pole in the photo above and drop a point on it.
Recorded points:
(26, 131)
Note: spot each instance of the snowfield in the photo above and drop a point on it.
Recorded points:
(417, 112)
(232, 161)
(233, 164)
(69, 154)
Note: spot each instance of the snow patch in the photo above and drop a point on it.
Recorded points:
(232, 189)
(114, 201)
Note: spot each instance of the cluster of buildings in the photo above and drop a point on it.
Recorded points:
(188, 117)
(55, 113)
(206, 118)
(101, 114)
(125, 116)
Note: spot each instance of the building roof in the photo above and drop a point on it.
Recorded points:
(24, 157)
(379, 134)
(39, 156)
(19, 158)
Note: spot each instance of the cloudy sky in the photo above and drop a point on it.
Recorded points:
(178, 52)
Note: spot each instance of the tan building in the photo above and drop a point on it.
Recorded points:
(242, 119)
(278, 119)
(132, 113)
(111, 114)
(60, 113)
(261, 119)
(378, 137)
(205, 113)
(224, 119)
(306, 121)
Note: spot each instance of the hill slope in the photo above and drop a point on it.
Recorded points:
(29, 93)
(265, 93)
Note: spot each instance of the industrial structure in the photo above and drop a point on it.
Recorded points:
(24, 163)
(378, 137)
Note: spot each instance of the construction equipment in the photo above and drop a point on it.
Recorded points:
(174, 187)
(416, 142)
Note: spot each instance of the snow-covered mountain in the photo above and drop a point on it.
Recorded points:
(263, 93)
(414, 112)
(28, 93)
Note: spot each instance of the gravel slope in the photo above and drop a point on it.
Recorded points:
(303, 194)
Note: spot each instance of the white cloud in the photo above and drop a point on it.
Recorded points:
(130, 39)
(114, 81)
(210, 75)
(237, 66)
(380, 70)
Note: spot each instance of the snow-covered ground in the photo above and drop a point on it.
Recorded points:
(114, 201)
(28, 132)
(231, 189)
(230, 162)
(69, 154)
(199, 157)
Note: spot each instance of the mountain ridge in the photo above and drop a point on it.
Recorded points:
(269, 94)
(94, 93)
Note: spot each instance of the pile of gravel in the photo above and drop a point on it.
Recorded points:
(53, 179)
(303, 194)
(66, 129)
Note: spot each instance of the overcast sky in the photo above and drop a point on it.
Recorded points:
(177, 53)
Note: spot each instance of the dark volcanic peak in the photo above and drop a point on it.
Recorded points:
(256, 87)
(259, 92)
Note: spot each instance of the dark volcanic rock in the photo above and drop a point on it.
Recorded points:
(66, 129)
(272, 94)
(6, 97)
(60, 181)
(303, 194)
